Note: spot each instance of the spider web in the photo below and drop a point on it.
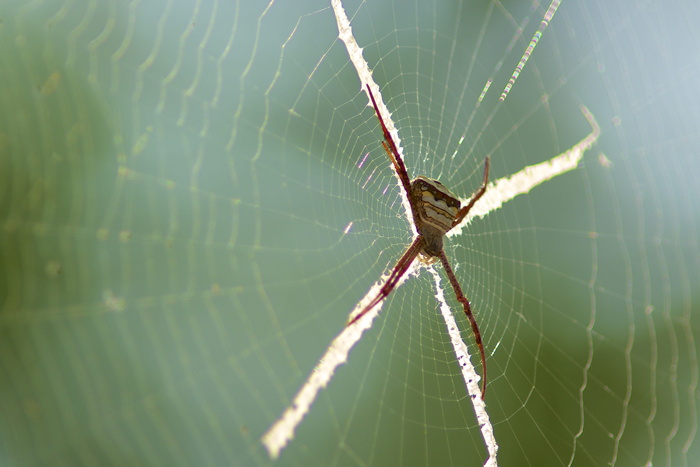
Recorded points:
(195, 197)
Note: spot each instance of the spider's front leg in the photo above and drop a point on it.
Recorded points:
(470, 316)
(399, 270)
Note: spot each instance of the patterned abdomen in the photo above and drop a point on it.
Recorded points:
(437, 206)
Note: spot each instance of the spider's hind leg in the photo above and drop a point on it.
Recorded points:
(475, 197)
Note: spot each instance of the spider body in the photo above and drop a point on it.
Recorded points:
(435, 212)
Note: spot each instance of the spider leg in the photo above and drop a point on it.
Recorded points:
(393, 159)
(475, 197)
(399, 270)
(392, 151)
(468, 311)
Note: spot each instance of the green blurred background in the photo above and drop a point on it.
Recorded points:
(177, 179)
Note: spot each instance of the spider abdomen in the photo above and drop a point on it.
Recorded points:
(437, 209)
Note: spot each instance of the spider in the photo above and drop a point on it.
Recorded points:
(435, 212)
